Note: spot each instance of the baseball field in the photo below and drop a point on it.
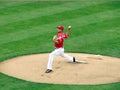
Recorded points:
(27, 28)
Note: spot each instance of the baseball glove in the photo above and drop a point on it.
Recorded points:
(55, 38)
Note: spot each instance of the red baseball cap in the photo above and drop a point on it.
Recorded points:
(60, 27)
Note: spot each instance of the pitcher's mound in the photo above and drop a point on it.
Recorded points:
(98, 70)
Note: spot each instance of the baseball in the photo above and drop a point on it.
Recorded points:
(69, 26)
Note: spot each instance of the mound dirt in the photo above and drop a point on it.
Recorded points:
(98, 69)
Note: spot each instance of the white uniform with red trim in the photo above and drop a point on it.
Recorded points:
(59, 50)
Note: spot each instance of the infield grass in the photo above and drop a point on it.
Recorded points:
(28, 27)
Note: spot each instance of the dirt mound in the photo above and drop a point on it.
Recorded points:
(98, 70)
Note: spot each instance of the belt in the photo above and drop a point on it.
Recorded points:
(58, 48)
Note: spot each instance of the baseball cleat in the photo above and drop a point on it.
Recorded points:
(48, 71)
(78, 61)
(73, 59)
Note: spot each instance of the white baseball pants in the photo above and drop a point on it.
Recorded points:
(58, 52)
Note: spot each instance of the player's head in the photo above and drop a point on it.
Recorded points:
(60, 28)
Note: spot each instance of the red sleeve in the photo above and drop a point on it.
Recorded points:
(65, 35)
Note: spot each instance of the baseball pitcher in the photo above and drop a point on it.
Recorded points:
(59, 48)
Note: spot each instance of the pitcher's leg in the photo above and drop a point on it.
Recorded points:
(69, 58)
(50, 60)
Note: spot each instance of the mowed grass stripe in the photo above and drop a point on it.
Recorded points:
(4, 5)
(42, 28)
(97, 36)
(97, 17)
(96, 27)
(42, 4)
(27, 6)
(41, 12)
(93, 32)
(55, 17)
(109, 47)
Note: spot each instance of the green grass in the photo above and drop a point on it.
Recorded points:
(28, 27)
(8, 83)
